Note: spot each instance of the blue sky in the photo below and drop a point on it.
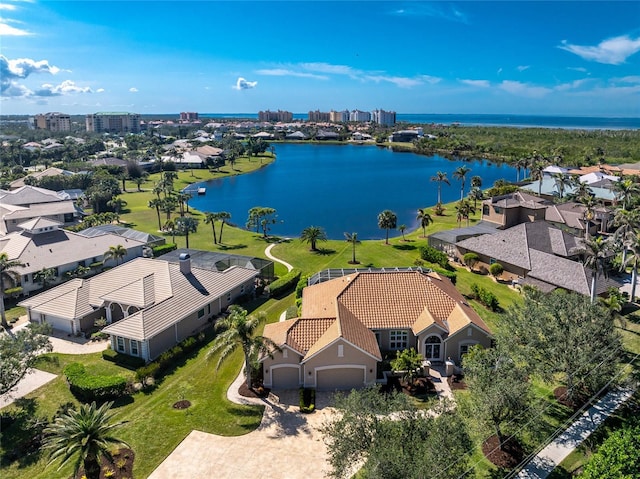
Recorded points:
(544, 58)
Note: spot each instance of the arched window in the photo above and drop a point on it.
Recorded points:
(485, 210)
(433, 348)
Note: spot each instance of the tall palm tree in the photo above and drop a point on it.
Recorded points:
(387, 220)
(424, 219)
(168, 206)
(402, 228)
(476, 194)
(210, 219)
(460, 174)
(353, 239)
(476, 181)
(139, 181)
(627, 222)
(117, 204)
(44, 276)
(626, 190)
(223, 216)
(537, 173)
(170, 226)
(114, 252)
(562, 181)
(157, 204)
(440, 177)
(589, 203)
(313, 234)
(7, 273)
(186, 225)
(84, 436)
(632, 245)
(464, 210)
(238, 330)
(596, 251)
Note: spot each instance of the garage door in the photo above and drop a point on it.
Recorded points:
(285, 378)
(59, 323)
(341, 378)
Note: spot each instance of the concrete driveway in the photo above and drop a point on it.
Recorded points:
(287, 445)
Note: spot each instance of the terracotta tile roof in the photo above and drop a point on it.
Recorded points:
(318, 301)
(331, 334)
(277, 332)
(352, 330)
(306, 332)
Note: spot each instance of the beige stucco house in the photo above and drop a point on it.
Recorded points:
(348, 323)
(150, 304)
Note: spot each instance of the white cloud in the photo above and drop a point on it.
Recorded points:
(499, 71)
(242, 84)
(578, 69)
(627, 79)
(100, 90)
(13, 89)
(7, 6)
(67, 87)
(613, 51)
(11, 31)
(21, 68)
(432, 9)
(524, 89)
(133, 89)
(287, 72)
(571, 85)
(321, 67)
(522, 68)
(477, 83)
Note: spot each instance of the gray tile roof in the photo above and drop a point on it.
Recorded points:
(28, 195)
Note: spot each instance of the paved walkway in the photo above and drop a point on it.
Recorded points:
(436, 372)
(546, 461)
(267, 253)
(32, 381)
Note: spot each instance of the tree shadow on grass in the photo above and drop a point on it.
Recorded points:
(227, 247)
(404, 247)
(324, 251)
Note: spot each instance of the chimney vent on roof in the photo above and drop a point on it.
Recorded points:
(185, 263)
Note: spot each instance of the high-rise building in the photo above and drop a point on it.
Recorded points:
(382, 117)
(113, 122)
(279, 115)
(359, 116)
(53, 121)
(188, 116)
(339, 116)
(319, 116)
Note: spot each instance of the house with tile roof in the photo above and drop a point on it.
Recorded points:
(150, 304)
(513, 208)
(537, 254)
(347, 323)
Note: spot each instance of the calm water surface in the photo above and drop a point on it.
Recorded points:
(341, 188)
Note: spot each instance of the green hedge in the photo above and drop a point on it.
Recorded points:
(302, 283)
(447, 274)
(87, 387)
(124, 360)
(284, 283)
(163, 249)
(168, 359)
(11, 291)
(485, 296)
(307, 400)
(433, 255)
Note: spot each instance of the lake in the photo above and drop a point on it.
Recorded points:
(341, 188)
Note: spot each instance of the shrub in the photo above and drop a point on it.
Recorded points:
(163, 249)
(95, 265)
(433, 255)
(124, 360)
(302, 283)
(447, 274)
(13, 291)
(471, 259)
(292, 312)
(87, 387)
(485, 296)
(151, 370)
(99, 336)
(496, 269)
(285, 283)
(307, 400)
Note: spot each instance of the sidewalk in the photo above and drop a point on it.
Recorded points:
(32, 381)
(546, 461)
(267, 253)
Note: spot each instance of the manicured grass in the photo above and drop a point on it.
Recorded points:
(154, 428)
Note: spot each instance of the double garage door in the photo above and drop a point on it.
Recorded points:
(339, 378)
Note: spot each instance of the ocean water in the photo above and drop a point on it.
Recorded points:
(520, 121)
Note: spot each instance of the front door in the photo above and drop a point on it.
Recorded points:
(433, 348)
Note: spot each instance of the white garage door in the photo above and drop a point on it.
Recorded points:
(285, 378)
(340, 378)
(60, 324)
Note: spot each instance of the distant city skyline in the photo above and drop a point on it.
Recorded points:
(522, 58)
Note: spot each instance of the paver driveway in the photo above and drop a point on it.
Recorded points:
(287, 445)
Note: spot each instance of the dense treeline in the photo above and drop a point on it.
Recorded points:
(566, 147)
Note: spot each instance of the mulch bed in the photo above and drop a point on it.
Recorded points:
(508, 457)
(421, 386)
(121, 467)
(560, 393)
(456, 382)
(259, 392)
(184, 404)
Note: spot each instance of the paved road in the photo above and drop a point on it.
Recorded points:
(546, 461)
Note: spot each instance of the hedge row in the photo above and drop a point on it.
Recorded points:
(163, 249)
(168, 359)
(485, 296)
(447, 274)
(433, 255)
(87, 387)
(284, 283)
(124, 360)
(307, 400)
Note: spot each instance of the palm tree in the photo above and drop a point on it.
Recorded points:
(83, 436)
(157, 204)
(44, 276)
(402, 229)
(626, 190)
(223, 216)
(353, 239)
(158, 189)
(519, 164)
(313, 234)
(464, 210)
(476, 181)
(186, 225)
(596, 252)
(425, 220)
(116, 253)
(562, 181)
(237, 330)
(387, 220)
(627, 223)
(170, 226)
(7, 273)
(632, 245)
(168, 206)
(537, 173)
(139, 181)
(440, 177)
(589, 203)
(210, 219)
(476, 194)
(461, 174)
